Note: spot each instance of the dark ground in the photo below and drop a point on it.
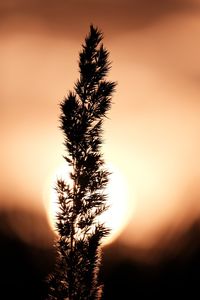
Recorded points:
(24, 267)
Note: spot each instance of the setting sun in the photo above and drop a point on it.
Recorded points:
(115, 218)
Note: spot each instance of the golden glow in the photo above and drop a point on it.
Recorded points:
(152, 133)
(115, 218)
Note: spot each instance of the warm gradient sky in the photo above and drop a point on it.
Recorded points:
(152, 135)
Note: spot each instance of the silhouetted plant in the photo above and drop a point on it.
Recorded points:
(81, 203)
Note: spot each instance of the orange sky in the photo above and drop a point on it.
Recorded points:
(152, 135)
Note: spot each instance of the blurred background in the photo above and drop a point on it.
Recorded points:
(151, 138)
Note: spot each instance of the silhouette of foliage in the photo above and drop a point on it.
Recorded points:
(80, 204)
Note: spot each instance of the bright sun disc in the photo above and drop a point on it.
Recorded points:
(118, 213)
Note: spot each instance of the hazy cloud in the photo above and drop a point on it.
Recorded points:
(73, 16)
